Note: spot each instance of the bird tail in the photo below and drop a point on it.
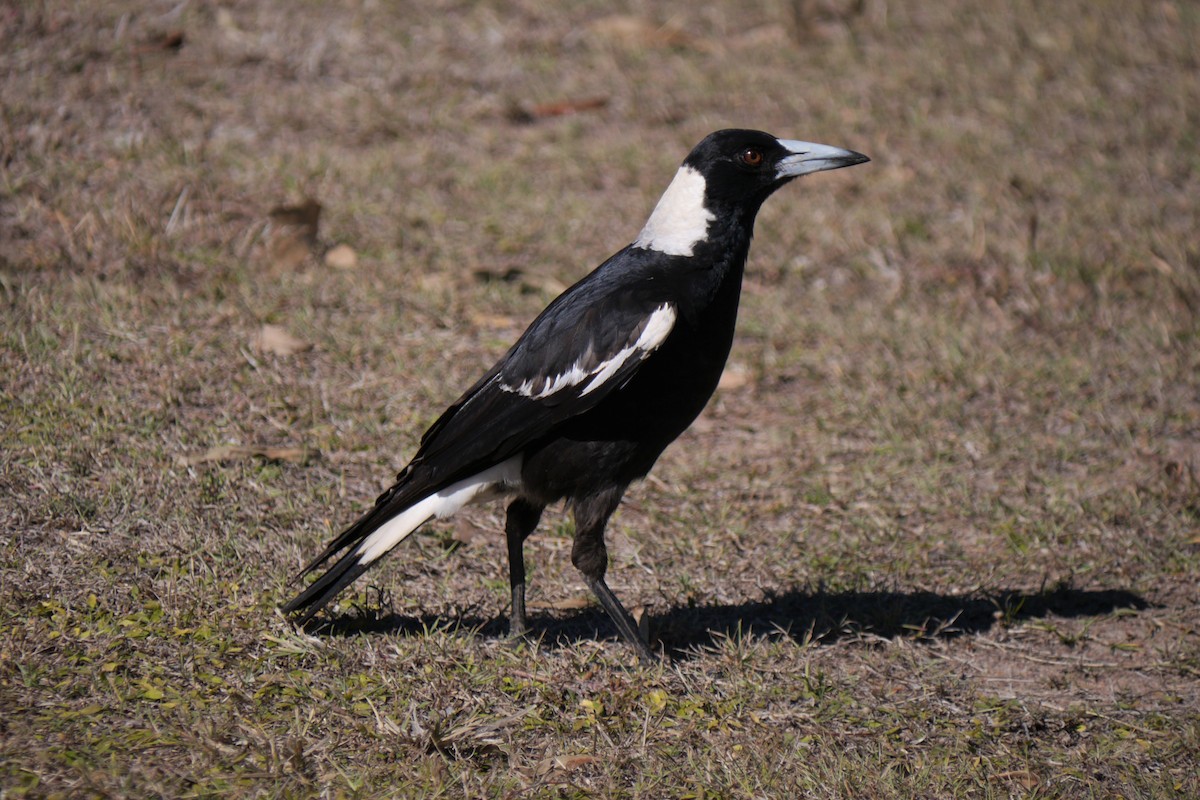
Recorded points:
(396, 514)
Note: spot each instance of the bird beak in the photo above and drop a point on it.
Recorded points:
(806, 157)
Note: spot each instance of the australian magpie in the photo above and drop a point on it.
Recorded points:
(599, 384)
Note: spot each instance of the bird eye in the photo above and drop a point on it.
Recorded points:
(751, 157)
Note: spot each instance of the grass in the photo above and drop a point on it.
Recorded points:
(937, 537)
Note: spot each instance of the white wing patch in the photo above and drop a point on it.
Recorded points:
(680, 220)
(654, 334)
(658, 327)
(571, 377)
(503, 478)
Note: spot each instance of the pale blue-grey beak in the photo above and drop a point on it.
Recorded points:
(809, 157)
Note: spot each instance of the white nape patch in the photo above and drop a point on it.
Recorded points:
(658, 326)
(492, 482)
(680, 220)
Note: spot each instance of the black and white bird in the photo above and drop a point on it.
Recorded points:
(607, 376)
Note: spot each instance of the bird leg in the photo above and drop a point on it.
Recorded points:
(590, 556)
(522, 518)
(621, 617)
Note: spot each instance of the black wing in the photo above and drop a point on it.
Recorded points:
(585, 345)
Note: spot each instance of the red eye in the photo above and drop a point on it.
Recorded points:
(751, 157)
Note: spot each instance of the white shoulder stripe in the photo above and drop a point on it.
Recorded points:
(654, 334)
(658, 327)
(571, 377)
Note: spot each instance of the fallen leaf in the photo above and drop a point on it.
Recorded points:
(171, 41)
(274, 339)
(467, 532)
(488, 275)
(293, 233)
(735, 376)
(643, 621)
(762, 37)
(630, 30)
(288, 252)
(234, 452)
(560, 108)
(306, 216)
(562, 763)
(529, 281)
(569, 604)
(574, 762)
(341, 256)
(1024, 778)
(493, 321)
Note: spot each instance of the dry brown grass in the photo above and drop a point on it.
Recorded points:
(939, 538)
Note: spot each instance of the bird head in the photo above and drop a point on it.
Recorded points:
(740, 166)
(727, 177)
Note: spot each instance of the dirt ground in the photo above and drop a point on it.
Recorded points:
(937, 535)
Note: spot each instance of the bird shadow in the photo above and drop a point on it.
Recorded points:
(826, 617)
(802, 615)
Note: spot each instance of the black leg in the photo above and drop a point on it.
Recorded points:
(590, 556)
(622, 618)
(522, 518)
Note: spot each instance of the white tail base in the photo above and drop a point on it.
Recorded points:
(492, 482)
